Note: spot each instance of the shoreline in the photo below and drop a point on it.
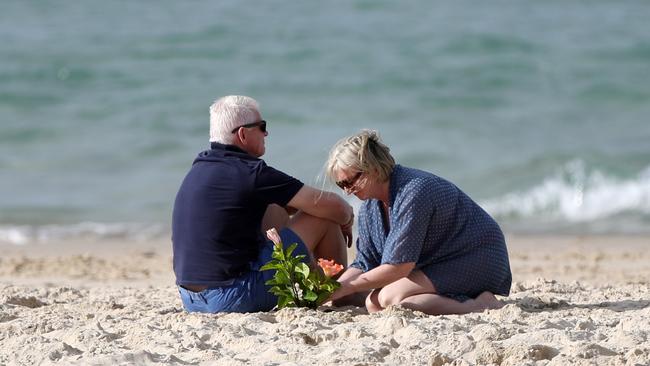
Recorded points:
(587, 258)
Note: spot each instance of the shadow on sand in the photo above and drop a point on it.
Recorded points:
(541, 303)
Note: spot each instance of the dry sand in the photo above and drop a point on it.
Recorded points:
(574, 300)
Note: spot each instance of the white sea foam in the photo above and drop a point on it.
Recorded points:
(24, 234)
(14, 234)
(575, 195)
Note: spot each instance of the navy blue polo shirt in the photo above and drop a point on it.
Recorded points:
(217, 217)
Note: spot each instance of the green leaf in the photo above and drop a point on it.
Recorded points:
(309, 285)
(290, 250)
(330, 286)
(272, 282)
(279, 291)
(282, 277)
(292, 272)
(303, 269)
(310, 296)
(322, 297)
(270, 265)
(278, 254)
(283, 302)
(314, 277)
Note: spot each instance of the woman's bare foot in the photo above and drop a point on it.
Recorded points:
(486, 300)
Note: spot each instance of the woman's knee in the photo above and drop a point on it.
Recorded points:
(388, 298)
(372, 303)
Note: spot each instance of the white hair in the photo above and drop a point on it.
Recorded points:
(228, 113)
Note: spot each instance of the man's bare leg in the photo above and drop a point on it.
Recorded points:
(275, 217)
(323, 238)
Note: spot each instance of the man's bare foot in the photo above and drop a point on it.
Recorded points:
(486, 300)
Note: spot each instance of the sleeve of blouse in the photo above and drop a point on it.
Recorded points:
(367, 256)
(411, 218)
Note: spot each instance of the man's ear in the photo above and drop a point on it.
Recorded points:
(241, 134)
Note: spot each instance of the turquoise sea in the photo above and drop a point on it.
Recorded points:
(539, 110)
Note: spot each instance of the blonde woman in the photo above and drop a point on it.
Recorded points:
(423, 243)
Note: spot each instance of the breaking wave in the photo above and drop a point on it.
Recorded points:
(573, 194)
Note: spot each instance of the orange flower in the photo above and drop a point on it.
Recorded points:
(273, 236)
(330, 268)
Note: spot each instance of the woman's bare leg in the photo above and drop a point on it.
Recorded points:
(372, 302)
(440, 305)
(418, 293)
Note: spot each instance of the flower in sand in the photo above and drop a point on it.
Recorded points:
(330, 268)
(294, 282)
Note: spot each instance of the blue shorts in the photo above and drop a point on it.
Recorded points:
(248, 293)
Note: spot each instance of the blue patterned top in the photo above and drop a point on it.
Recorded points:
(431, 221)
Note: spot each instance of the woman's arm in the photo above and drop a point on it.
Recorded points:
(378, 277)
(350, 274)
(356, 299)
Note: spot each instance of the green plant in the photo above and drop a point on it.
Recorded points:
(295, 283)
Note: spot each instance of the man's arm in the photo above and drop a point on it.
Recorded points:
(326, 205)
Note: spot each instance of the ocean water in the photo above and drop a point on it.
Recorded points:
(539, 110)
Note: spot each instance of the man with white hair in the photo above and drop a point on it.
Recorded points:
(225, 203)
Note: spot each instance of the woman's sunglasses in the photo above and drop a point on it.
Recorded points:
(349, 183)
(261, 124)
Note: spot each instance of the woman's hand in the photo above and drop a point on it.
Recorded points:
(349, 275)
(342, 291)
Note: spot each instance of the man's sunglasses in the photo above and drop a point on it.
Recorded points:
(349, 183)
(261, 124)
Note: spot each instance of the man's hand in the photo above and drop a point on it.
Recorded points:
(291, 210)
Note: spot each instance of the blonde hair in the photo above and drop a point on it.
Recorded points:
(363, 152)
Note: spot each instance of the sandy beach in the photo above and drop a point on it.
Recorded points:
(581, 300)
(537, 110)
